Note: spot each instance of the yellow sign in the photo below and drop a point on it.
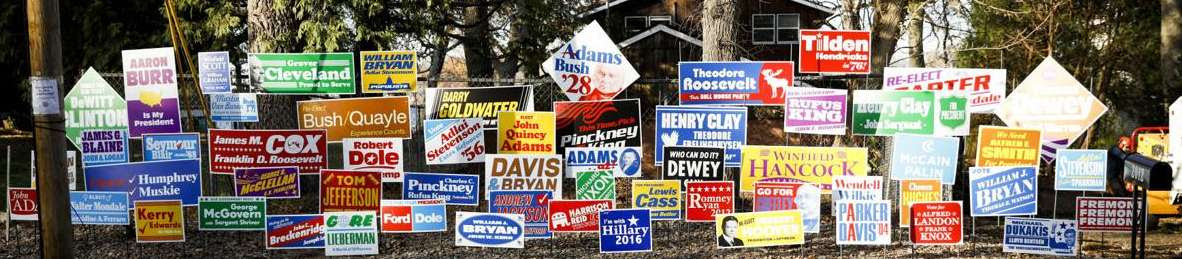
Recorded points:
(912, 191)
(388, 71)
(1153, 145)
(756, 229)
(159, 221)
(525, 133)
(1002, 146)
(816, 165)
(662, 197)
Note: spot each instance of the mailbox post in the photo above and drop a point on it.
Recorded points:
(1145, 174)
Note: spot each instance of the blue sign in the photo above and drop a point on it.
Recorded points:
(621, 161)
(916, 157)
(234, 107)
(1003, 191)
(455, 189)
(534, 205)
(1081, 170)
(149, 181)
(99, 208)
(625, 230)
(100, 147)
(1040, 236)
(295, 231)
(214, 70)
(743, 83)
(490, 230)
(724, 127)
(159, 147)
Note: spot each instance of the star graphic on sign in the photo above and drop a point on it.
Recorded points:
(632, 220)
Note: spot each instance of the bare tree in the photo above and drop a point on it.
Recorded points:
(888, 17)
(720, 30)
(915, 23)
(272, 30)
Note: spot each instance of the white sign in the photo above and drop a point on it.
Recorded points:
(46, 100)
(984, 88)
(374, 154)
(590, 67)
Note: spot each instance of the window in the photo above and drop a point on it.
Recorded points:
(656, 20)
(634, 24)
(775, 28)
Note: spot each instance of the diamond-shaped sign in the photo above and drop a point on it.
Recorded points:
(590, 67)
(1050, 99)
(93, 105)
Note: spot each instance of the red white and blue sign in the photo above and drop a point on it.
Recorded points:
(734, 82)
(534, 205)
(149, 181)
(172, 146)
(295, 231)
(625, 230)
(1003, 191)
(863, 222)
(455, 189)
(99, 208)
(1058, 237)
(490, 230)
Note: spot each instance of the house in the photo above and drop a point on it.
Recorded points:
(656, 34)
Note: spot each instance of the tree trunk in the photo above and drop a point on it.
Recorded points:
(1171, 45)
(478, 55)
(853, 15)
(915, 32)
(885, 32)
(272, 30)
(719, 30)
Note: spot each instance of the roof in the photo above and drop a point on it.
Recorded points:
(655, 30)
(806, 3)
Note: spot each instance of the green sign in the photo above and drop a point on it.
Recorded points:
(302, 73)
(595, 185)
(885, 113)
(232, 213)
(93, 105)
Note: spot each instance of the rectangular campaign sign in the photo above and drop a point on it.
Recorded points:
(373, 117)
(984, 88)
(815, 110)
(230, 149)
(915, 157)
(834, 51)
(455, 189)
(478, 102)
(100, 147)
(815, 165)
(1104, 214)
(302, 73)
(394, 71)
(350, 190)
(863, 222)
(759, 229)
(1003, 146)
(936, 223)
(531, 204)
(215, 72)
(523, 172)
(619, 161)
(490, 229)
(804, 197)
(724, 127)
(295, 231)
(231, 213)
(159, 221)
(625, 230)
(857, 188)
(595, 185)
(734, 82)
(149, 82)
(413, 216)
(609, 123)
(693, 163)
(1003, 190)
(577, 215)
(912, 191)
(525, 133)
(886, 113)
(172, 146)
(350, 233)
(231, 107)
(99, 208)
(22, 204)
(662, 197)
(1055, 237)
(704, 199)
(383, 155)
(454, 141)
(269, 182)
(1081, 170)
(145, 181)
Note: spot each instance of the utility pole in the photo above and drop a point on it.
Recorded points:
(45, 61)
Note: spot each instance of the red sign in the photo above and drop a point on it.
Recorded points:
(824, 51)
(349, 190)
(1104, 214)
(229, 149)
(577, 215)
(937, 223)
(22, 203)
(705, 199)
